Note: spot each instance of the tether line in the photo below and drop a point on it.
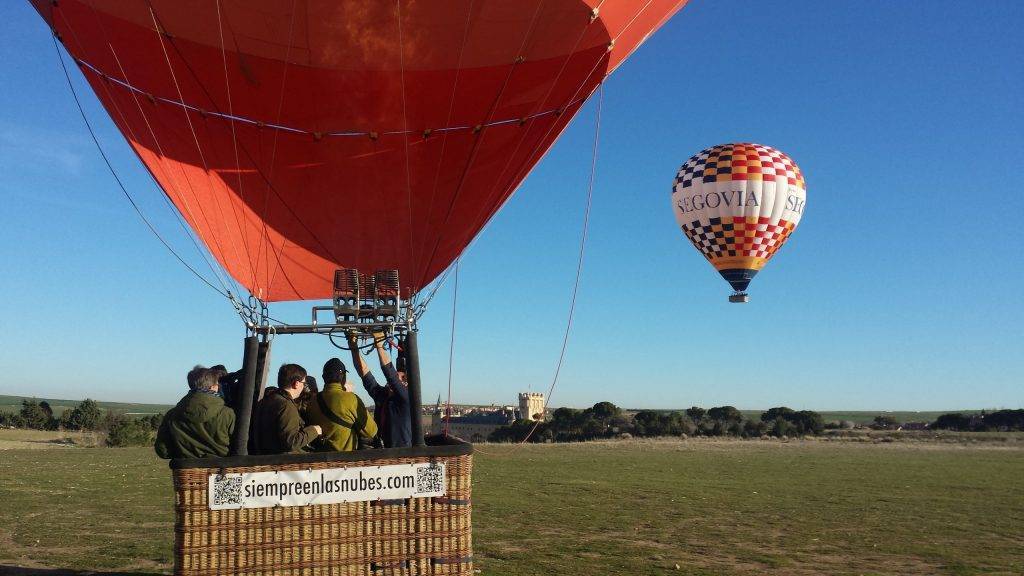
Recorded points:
(579, 264)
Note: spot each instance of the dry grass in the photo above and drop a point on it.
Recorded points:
(14, 439)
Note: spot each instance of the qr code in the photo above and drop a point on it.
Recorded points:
(227, 490)
(430, 479)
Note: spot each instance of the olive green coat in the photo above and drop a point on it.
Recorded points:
(350, 410)
(199, 426)
(277, 426)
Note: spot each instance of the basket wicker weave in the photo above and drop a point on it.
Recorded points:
(408, 537)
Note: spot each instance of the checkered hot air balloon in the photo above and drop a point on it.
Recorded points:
(738, 204)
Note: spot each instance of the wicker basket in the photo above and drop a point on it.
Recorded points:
(408, 537)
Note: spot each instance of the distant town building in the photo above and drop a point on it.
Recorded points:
(475, 425)
(531, 405)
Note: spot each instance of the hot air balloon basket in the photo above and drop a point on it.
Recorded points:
(292, 515)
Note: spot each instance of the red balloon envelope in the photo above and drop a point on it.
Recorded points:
(298, 137)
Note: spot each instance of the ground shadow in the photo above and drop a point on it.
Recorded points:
(19, 571)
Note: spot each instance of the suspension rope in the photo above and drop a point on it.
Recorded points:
(265, 241)
(124, 119)
(156, 141)
(579, 263)
(243, 230)
(573, 99)
(480, 134)
(120, 183)
(405, 123)
(195, 138)
(540, 102)
(451, 351)
(242, 147)
(451, 110)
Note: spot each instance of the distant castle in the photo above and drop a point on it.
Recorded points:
(531, 406)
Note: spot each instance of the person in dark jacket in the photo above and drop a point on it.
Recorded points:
(391, 402)
(200, 425)
(278, 428)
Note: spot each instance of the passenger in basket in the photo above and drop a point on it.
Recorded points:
(277, 426)
(340, 412)
(307, 397)
(200, 425)
(391, 402)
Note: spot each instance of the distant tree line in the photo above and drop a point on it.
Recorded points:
(998, 421)
(606, 420)
(121, 430)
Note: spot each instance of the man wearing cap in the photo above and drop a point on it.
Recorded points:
(391, 402)
(340, 413)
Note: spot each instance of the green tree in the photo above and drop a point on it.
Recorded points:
(1004, 420)
(11, 419)
(754, 428)
(883, 422)
(807, 422)
(952, 421)
(517, 431)
(605, 410)
(779, 412)
(34, 416)
(126, 431)
(782, 427)
(153, 421)
(695, 413)
(646, 423)
(86, 416)
(725, 414)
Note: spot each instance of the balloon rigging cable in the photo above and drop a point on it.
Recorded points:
(451, 351)
(579, 264)
(121, 185)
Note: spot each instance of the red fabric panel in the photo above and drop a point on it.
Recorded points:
(282, 209)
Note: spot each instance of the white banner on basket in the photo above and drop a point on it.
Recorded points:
(327, 486)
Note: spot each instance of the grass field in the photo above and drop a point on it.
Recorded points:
(635, 507)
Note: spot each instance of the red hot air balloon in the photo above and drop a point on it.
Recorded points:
(297, 138)
(738, 204)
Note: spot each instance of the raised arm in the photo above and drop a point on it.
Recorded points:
(376, 391)
(357, 359)
(382, 353)
(390, 373)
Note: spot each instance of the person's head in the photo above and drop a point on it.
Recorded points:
(207, 381)
(307, 395)
(400, 367)
(335, 372)
(311, 385)
(291, 379)
(193, 375)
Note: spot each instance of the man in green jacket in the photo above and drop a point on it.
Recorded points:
(340, 413)
(277, 427)
(200, 425)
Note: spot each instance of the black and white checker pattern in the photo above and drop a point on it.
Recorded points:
(695, 165)
(713, 239)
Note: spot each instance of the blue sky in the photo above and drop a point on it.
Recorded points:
(898, 291)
